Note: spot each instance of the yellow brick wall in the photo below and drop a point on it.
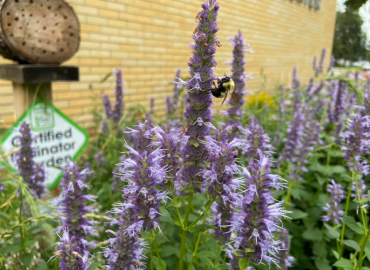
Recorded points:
(149, 39)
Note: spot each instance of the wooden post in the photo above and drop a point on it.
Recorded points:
(27, 94)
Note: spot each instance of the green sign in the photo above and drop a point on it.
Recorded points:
(57, 139)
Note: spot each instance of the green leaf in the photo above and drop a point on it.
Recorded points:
(205, 253)
(352, 224)
(322, 265)
(298, 214)
(312, 235)
(26, 259)
(160, 239)
(200, 228)
(93, 266)
(331, 232)
(206, 261)
(344, 263)
(336, 254)
(243, 264)
(365, 268)
(158, 264)
(367, 252)
(223, 266)
(352, 244)
(195, 143)
(169, 251)
(189, 246)
(44, 266)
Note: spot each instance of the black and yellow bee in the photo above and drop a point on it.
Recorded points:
(224, 86)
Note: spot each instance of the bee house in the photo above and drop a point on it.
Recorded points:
(38, 31)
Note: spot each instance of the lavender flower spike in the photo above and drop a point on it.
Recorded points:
(259, 215)
(332, 208)
(70, 254)
(28, 169)
(256, 141)
(143, 173)
(223, 185)
(107, 107)
(118, 104)
(199, 99)
(126, 251)
(73, 209)
(237, 96)
(286, 261)
(357, 142)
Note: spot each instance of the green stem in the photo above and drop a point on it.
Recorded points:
(288, 195)
(20, 218)
(157, 250)
(204, 214)
(345, 213)
(184, 232)
(217, 255)
(195, 251)
(363, 246)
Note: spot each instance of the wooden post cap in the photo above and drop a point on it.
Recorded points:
(38, 31)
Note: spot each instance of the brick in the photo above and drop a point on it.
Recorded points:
(149, 40)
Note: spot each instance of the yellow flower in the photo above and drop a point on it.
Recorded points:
(260, 100)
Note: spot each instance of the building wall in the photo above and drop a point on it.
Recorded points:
(149, 39)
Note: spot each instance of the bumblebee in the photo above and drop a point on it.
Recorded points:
(224, 86)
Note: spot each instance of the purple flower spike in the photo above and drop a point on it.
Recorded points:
(118, 104)
(141, 136)
(237, 96)
(170, 145)
(222, 184)
(256, 141)
(177, 88)
(144, 173)
(356, 142)
(332, 208)
(71, 255)
(126, 251)
(259, 215)
(32, 173)
(99, 159)
(199, 99)
(73, 206)
(107, 107)
(293, 140)
(361, 191)
(170, 106)
(286, 261)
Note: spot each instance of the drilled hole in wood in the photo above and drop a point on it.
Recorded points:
(65, 17)
(40, 41)
(56, 24)
(24, 43)
(62, 50)
(17, 1)
(31, 15)
(8, 13)
(20, 27)
(11, 35)
(49, 7)
(43, 51)
(44, 28)
(16, 19)
(71, 35)
(9, 24)
(31, 1)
